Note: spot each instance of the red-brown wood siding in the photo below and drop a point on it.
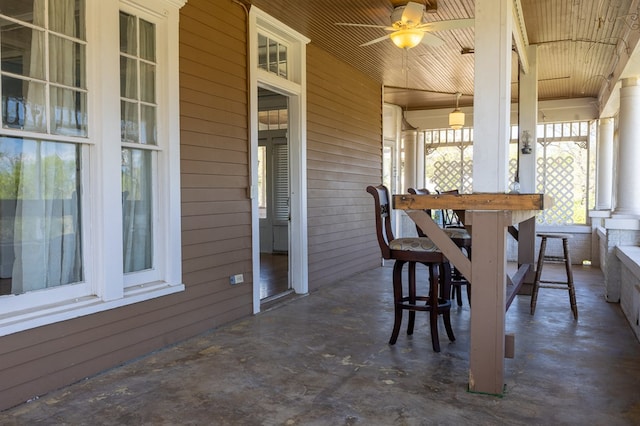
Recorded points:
(344, 155)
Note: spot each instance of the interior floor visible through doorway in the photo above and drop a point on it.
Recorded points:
(274, 274)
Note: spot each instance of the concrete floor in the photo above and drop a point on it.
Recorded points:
(324, 360)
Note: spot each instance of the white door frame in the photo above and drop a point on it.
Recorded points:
(295, 89)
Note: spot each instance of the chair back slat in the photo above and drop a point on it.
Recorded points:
(422, 191)
(384, 230)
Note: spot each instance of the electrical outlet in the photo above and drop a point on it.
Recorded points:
(236, 279)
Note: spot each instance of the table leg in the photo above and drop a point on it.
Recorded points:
(488, 269)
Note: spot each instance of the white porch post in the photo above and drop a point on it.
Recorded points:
(627, 188)
(528, 125)
(492, 95)
(604, 186)
(528, 107)
(491, 123)
(409, 137)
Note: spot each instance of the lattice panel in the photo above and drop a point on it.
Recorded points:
(467, 177)
(446, 175)
(513, 169)
(569, 168)
(556, 178)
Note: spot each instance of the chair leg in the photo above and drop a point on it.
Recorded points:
(469, 293)
(397, 300)
(468, 283)
(572, 289)
(412, 297)
(433, 300)
(445, 280)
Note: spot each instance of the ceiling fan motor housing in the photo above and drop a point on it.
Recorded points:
(398, 21)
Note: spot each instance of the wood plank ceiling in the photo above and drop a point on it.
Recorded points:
(581, 44)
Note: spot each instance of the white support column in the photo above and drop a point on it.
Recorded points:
(627, 188)
(420, 160)
(604, 160)
(528, 108)
(409, 137)
(491, 126)
(492, 95)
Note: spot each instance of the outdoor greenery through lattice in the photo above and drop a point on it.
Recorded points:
(564, 168)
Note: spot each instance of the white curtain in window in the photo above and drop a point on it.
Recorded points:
(136, 210)
(46, 232)
(136, 85)
(35, 109)
(66, 116)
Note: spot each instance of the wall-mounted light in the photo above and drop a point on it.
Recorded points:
(407, 38)
(526, 142)
(456, 117)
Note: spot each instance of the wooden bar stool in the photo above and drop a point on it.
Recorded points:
(413, 251)
(560, 285)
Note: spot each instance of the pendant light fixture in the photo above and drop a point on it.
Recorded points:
(456, 117)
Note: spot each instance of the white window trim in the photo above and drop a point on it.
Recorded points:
(104, 288)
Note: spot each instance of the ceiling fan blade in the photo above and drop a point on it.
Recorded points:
(431, 40)
(412, 13)
(378, 40)
(452, 24)
(347, 24)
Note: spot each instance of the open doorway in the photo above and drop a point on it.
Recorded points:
(273, 194)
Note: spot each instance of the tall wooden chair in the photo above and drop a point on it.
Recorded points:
(454, 228)
(412, 251)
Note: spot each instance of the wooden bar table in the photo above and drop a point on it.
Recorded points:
(487, 216)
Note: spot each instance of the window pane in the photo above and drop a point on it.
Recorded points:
(64, 18)
(147, 82)
(129, 121)
(68, 112)
(148, 133)
(12, 102)
(40, 233)
(128, 78)
(22, 50)
(35, 111)
(136, 210)
(128, 38)
(262, 52)
(22, 10)
(147, 41)
(66, 62)
(282, 61)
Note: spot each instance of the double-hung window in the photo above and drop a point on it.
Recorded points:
(89, 157)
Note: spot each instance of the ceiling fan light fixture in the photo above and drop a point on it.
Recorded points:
(407, 38)
(456, 117)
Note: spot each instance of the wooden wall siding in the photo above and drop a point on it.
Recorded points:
(344, 155)
(216, 226)
(216, 213)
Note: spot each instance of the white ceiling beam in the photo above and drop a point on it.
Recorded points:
(520, 38)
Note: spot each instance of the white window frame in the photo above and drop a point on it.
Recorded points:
(105, 285)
